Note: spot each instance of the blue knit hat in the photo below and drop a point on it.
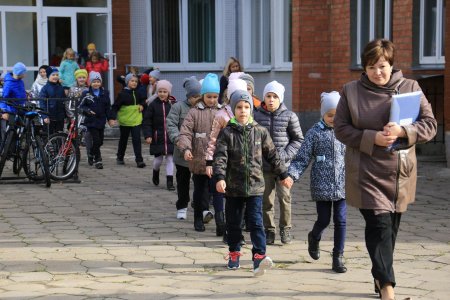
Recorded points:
(19, 69)
(50, 70)
(210, 84)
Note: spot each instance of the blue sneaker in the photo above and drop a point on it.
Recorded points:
(233, 260)
(261, 263)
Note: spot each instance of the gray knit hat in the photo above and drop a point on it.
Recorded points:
(328, 101)
(238, 96)
(249, 80)
(192, 86)
(129, 76)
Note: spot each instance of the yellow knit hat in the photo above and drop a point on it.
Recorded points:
(81, 72)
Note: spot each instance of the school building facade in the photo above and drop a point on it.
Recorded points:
(328, 37)
(309, 46)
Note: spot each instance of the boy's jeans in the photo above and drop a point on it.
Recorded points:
(234, 207)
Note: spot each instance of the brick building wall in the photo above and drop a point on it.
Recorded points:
(321, 54)
(121, 37)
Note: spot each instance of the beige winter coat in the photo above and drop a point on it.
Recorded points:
(376, 178)
(194, 135)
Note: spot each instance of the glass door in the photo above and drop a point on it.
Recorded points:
(71, 28)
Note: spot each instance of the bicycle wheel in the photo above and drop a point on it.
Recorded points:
(36, 162)
(17, 162)
(63, 156)
(4, 151)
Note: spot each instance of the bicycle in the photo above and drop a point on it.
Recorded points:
(22, 140)
(63, 153)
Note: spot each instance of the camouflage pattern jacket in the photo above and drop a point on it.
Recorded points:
(238, 158)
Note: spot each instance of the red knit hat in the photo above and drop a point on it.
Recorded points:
(145, 79)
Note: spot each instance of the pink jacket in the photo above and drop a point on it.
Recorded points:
(220, 121)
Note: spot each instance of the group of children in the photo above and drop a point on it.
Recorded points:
(235, 147)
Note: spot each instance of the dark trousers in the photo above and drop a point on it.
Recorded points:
(201, 194)
(339, 220)
(218, 198)
(135, 139)
(183, 176)
(55, 126)
(97, 141)
(380, 234)
(234, 209)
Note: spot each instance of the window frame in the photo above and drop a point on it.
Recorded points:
(277, 44)
(438, 58)
(184, 64)
(387, 25)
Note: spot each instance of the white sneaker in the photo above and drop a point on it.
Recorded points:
(181, 214)
(207, 216)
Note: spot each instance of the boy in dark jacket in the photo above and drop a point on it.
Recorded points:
(286, 133)
(238, 160)
(96, 106)
(53, 102)
(128, 108)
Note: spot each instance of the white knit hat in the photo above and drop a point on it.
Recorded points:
(235, 75)
(328, 101)
(235, 84)
(275, 87)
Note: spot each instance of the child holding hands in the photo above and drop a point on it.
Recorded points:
(327, 179)
(237, 167)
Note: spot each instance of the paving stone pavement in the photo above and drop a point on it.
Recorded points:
(115, 236)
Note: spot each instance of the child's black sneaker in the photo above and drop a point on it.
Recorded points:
(261, 263)
(233, 260)
(98, 165)
(140, 164)
(120, 161)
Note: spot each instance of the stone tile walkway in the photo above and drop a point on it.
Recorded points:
(115, 236)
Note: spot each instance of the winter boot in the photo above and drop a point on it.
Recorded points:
(220, 223)
(198, 223)
(313, 247)
(155, 178)
(170, 185)
(338, 263)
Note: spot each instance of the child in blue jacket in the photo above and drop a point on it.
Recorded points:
(53, 97)
(327, 179)
(96, 106)
(13, 88)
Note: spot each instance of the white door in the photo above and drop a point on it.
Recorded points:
(76, 29)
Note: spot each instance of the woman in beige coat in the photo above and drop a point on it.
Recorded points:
(380, 182)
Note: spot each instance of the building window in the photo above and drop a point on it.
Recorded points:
(371, 19)
(184, 31)
(266, 43)
(432, 32)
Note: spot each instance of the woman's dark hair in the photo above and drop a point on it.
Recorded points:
(43, 67)
(376, 49)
